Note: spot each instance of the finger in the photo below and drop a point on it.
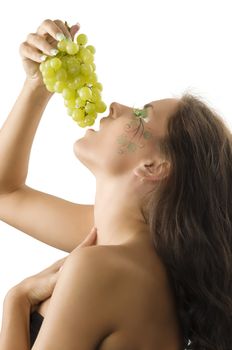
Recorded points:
(49, 27)
(57, 264)
(28, 51)
(74, 29)
(41, 43)
(63, 28)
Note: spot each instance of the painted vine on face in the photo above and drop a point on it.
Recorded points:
(130, 128)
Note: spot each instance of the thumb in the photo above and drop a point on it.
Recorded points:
(74, 29)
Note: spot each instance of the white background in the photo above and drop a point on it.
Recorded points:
(146, 50)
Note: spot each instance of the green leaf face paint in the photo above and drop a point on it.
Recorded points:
(141, 113)
(126, 144)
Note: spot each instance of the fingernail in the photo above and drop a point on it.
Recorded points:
(53, 52)
(77, 24)
(60, 36)
(43, 58)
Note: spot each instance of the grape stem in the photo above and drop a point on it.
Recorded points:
(66, 23)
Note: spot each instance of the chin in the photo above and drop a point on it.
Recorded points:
(80, 152)
(76, 148)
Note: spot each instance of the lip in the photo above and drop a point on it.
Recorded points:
(101, 121)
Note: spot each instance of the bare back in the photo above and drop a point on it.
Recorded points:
(144, 308)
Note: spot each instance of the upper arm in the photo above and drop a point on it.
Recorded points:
(80, 311)
(52, 220)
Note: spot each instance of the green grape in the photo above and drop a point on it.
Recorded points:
(49, 81)
(69, 94)
(70, 111)
(76, 83)
(96, 91)
(81, 123)
(59, 86)
(74, 68)
(47, 63)
(89, 120)
(98, 86)
(88, 58)
(94, 66)
(72, 48)
(86, 69)
(61, 75)
(92, 78)
(93, 115)
(100, 106)
(70, 103)
(49, 73)
(72, 84)
(91, 48)
(42, 67)
(80, 102)
(65, 60)
(82, 39)
(78, 114)
(85, 55)
(79, 81)
(62, 45)
(85, 93)
(55, 63)
(72, 73)
(50, 87)
(96, 95)
(90, 108)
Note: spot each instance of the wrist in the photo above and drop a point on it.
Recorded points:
(17, 295)
(38, 87)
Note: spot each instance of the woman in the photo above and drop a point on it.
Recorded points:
(159, 276)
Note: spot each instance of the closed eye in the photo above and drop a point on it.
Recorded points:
(140, 114)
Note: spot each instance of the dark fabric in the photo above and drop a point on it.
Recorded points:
(36, 321)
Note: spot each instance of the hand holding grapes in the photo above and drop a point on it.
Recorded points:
(41, 44)
(66, 67)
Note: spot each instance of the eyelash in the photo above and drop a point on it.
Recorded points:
(140, 115)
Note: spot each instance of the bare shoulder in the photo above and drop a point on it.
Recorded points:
(85, 287)
(97, 261)
(106, 267)
(95, 257)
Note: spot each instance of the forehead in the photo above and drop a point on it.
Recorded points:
(160, 113)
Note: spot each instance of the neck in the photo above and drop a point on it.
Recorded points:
(117, 213)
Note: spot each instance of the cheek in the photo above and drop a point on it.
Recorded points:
(119, 146)
(133, 137)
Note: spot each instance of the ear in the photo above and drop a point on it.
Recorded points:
(153, 171)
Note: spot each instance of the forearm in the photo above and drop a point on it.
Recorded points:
(17, 134)
(15, 332)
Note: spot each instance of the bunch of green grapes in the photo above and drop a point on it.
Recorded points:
(72, 73)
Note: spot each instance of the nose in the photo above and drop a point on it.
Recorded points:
(113, 107)
(116, 109)
(112, 111)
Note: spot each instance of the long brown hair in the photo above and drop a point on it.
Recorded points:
(191, 223)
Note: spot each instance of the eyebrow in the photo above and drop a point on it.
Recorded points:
(147, 105)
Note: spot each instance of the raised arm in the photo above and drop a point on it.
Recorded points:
(53, 220)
